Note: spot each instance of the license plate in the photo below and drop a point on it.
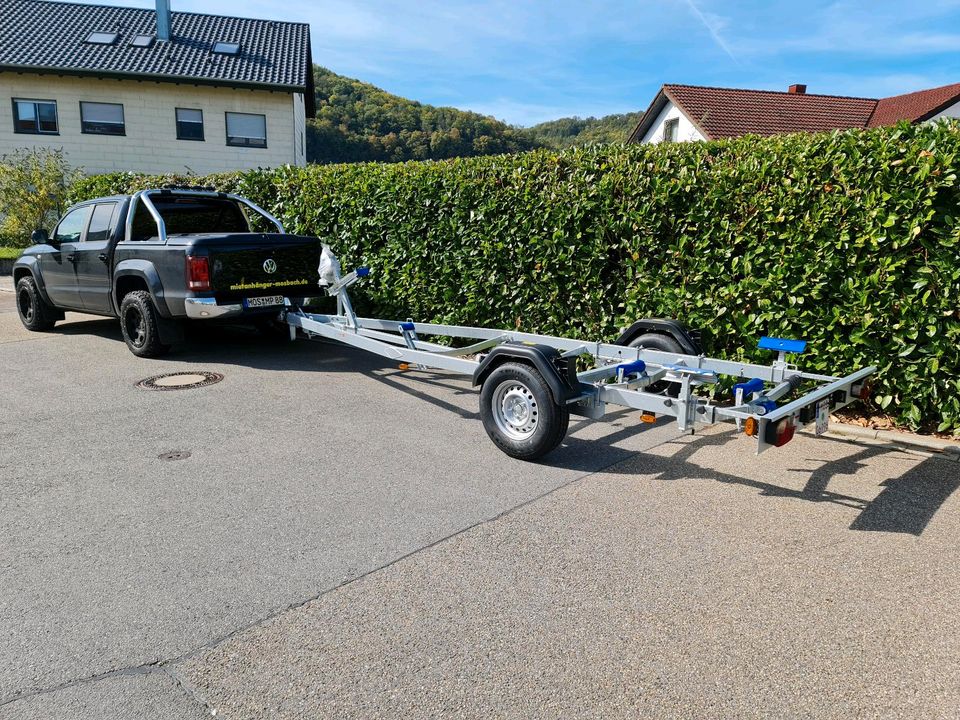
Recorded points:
(259, 302)
(823, 417)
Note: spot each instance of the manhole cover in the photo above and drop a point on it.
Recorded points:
(174, 455)
(180, 380)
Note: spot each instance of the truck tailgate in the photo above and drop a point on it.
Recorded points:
(270, 265)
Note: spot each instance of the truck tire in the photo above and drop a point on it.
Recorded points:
(139, 324)
(662, 343)
(519, 413)
(35, 313)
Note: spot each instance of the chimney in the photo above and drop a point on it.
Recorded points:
(793, 89)
(163, 19)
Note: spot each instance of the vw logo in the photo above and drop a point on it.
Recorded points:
(269, 266)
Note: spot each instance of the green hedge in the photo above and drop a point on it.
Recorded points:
(848, 239)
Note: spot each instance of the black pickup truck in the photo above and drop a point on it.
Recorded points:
(158, 258)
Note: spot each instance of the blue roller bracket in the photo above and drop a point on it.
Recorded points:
(782, 344)
(749, 387)
(407, 326)
(363, 271)
(632, 368)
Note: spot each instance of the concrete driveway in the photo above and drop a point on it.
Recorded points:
(340, 539)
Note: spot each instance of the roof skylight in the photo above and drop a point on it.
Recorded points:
(226, 48)
(143, 41)
(102, 38)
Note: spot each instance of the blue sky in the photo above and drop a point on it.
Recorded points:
(525, 62)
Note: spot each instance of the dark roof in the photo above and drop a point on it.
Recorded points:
(915, 106)
(43, 36)
(731, 112)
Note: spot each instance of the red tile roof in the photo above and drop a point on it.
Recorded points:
(914, 106)
(731, 112)
(726, 112)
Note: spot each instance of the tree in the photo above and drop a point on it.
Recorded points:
(33, 187)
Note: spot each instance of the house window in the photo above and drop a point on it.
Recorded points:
(38, 117)
(189, 124)
(102, 118)
(246, 130)
(670, 128)
(102, 38)
(226, 48)
(143, 41)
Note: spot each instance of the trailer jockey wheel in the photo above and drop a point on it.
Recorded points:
(519, 413)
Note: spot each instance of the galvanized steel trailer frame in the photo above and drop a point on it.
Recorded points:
(622, 375)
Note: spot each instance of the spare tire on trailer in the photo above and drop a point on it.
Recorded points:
(661, 343)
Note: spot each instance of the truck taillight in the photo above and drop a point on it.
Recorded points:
(198, 273)
(780, 433)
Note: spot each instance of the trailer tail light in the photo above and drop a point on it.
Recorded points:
(750, 426)
(779, 433)
(198, 273)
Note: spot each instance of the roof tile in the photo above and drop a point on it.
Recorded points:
(44, 35)
(914, 106)
(729, 112)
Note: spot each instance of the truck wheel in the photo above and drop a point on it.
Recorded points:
(662, 343)
(138, 322)
(35, 313)
(519, 413)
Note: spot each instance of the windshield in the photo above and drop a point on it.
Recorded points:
(190, 216)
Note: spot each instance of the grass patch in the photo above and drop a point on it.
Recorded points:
(9, 253)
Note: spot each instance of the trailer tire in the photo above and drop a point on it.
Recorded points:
(661, 343)
(519, 413)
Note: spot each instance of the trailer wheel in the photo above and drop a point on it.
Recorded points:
(662, 343)
(519, 413)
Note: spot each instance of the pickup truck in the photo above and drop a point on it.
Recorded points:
(159, 258)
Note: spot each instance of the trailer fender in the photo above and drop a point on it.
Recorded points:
(689, 340)
(559, 372)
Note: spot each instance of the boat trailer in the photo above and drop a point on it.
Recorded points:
(530, 384)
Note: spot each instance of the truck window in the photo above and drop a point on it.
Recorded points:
(190, 216)
(102, 222)
(71, 226)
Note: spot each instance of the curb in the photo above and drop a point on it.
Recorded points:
(948, 448)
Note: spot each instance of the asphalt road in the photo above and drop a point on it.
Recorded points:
(344, 541)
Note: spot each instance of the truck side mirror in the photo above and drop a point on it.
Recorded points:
(39, 236)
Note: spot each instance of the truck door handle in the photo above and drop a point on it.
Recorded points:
(103, 257)
(71, 257)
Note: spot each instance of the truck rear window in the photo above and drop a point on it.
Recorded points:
(190, 216)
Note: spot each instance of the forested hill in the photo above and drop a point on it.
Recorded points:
(357, 122)
(566, 132)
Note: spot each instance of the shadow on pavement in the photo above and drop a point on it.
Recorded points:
(905, 505)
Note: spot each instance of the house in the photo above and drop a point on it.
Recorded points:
(689, 112)
(153, 91)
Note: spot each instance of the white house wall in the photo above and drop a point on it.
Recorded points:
(686, 132)
(951, 112)
(150, 144)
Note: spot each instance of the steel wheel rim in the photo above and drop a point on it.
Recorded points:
(136, 326)
(25, 304)
(515, 410)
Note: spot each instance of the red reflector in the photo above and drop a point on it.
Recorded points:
(198, 273)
